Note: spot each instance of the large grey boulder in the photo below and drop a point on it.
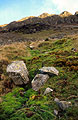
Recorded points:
(39, 81)
(18, 72)
(63, 105)
(49, 70)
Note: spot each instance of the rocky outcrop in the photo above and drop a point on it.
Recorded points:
(38, 81)
(34, 24)
(44, 15)
(28, 28)
(18, 72)
(65, 14)
(49, 70)
(76, 13)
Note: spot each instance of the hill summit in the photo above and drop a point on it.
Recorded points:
(44, 15)
(65, 14)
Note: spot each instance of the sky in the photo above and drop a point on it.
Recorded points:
(12, 10)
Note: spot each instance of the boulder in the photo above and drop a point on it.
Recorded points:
(18, 72)
(63, 105)
(38, 81)
(49, 70)
(48, 90)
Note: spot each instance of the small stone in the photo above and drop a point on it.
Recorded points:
(56, 100)
(48, 90)
(38, 81)
(49, 70)
(55, 112)
(63, 105)
(31, 47)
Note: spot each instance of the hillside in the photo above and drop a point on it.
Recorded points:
(49, 46)
(44, 21)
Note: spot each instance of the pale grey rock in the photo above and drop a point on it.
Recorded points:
(49, 70)
(48, 90)
(31, 47)
(55, 112)
(56, 100)
(18, 72)
(63, 105)
(38, 81)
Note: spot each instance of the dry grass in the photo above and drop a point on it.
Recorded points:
(75, 40)
(15, 49)
(40, 35)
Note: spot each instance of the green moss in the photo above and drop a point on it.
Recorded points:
(12, 101)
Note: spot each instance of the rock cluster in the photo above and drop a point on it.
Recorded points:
(19, 74)
(40, 79)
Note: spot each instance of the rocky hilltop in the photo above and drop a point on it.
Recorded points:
(44, 21)
(65, 14)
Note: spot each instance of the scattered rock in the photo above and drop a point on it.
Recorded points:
(31, 47)
(49, 70)
(38, 81)
(63, 105)
(55, 112)
(48, 90)
(18, 72)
